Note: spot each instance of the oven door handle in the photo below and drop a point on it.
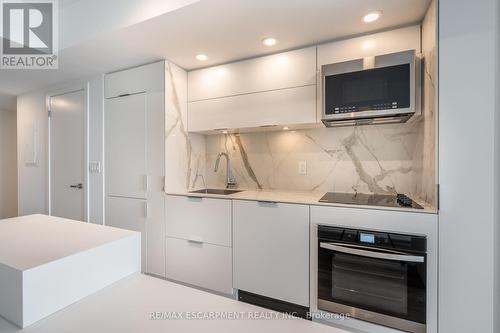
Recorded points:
(371, 254)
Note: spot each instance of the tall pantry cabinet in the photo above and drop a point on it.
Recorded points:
(134, 167)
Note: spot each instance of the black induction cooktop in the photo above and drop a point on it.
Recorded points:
(384, 200)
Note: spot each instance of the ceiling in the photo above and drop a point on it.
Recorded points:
(225, 30)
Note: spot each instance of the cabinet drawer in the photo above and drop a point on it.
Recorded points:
(200, 219)
(200, 264)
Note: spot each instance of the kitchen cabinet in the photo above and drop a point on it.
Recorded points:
(392, 41)
(134, 80)
(130, 214)
(278, 89)
(271, 250)
(134, 158)
(279, 107)
(200, 264)
(198, 243)
(125, 119)
(279, 71)
(201, 219)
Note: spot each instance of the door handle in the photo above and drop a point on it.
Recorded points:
(77, 186)
(371, 254)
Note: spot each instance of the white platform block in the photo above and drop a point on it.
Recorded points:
(48, 263)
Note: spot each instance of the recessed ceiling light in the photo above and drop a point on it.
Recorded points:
(371, 17)
(269, 41)
(201, 57)
(286, 128)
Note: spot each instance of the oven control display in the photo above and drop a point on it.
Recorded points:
(367, 238)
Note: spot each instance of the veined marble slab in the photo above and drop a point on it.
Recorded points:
(47, 263)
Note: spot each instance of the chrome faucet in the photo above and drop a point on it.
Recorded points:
(230, 180)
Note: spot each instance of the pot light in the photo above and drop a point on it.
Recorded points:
(371, 17)
(269, 41)
(201, 57)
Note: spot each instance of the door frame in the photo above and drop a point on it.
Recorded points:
(71, 89)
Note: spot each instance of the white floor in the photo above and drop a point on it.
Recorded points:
(126, 307)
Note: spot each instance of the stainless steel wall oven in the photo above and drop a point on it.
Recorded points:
(373, 276)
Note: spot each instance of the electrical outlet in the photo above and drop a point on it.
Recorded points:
(302, 168)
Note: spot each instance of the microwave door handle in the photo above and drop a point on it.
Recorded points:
(371, 254)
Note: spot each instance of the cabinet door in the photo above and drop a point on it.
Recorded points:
(278, 71)
(278, 107)
(271, 250)
(135, 80)
(130, 214)
(125, 146)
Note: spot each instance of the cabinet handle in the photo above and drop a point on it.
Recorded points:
(146, 183)
(146, 210)
(268, 203)
(195, 240)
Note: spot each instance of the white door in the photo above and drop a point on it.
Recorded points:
(67, 155)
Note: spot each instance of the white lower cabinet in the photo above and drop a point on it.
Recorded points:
(198, 244)
(271, 250)
(200, 264)
(130, 214)
(200, 219)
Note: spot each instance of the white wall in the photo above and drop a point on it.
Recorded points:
(32, 140)
(33, 177)
(8, 164)
(467, 165)
(497, 172)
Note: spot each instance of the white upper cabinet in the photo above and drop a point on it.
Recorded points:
(135, 80)
(370, 45)
(277, 107)
(278, 89)
(279, 71)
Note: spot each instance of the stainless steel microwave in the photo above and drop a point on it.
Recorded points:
(374, 90)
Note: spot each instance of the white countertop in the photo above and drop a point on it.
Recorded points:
(297, 197)
(30, 241)
(126, 307)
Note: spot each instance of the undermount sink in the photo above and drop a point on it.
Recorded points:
(216, 191)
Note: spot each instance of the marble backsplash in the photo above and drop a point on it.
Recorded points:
(369, 159)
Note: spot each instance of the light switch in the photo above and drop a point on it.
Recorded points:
(95, 167)
(302, 167)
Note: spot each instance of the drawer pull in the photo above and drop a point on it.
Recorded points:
(195, 241)
(267, 203)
